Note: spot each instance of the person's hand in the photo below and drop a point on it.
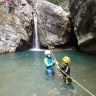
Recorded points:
(58, 67)
(54, 61)
(57, 64)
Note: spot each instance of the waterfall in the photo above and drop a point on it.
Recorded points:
(35, 35)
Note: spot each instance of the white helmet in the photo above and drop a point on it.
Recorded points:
(47, 52)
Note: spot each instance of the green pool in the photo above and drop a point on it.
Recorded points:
(23, 74)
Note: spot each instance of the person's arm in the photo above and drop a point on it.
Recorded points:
(46, 63)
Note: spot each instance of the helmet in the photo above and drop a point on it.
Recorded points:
(66, 59)
(47, 52)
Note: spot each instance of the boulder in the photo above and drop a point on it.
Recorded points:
(83, 14)
(54, 23)
(9, 40)
(13, 32)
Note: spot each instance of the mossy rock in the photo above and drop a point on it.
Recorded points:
(2, 15)
(57, 2)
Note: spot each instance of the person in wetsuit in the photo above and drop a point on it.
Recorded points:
(49, 63)
(66, 69)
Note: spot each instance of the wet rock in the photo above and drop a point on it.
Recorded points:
(54, 23)
(13, 27)
(84, 18)
(8, 41)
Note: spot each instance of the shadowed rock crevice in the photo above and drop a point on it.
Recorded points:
(83, 14)
(25, 45)
(73, 41)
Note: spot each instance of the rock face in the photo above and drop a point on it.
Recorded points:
(9, 39)
(13, 33)
(53, 22)
(2, 1)
(83, 13)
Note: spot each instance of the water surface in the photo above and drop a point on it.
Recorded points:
(23, 74)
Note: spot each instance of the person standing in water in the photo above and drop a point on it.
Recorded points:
(49, 63)
(66, 71)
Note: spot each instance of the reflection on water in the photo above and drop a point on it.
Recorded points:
(23, 74)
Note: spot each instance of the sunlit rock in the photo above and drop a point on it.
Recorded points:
(13, 26)
(54, 23)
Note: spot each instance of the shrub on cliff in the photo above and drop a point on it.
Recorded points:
(57, 2)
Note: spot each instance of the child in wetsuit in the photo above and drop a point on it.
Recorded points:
(66, 69)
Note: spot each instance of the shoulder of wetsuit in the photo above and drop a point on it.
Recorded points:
(62, 70)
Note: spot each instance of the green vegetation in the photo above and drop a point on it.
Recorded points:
(89, 2)
(5, 17)
(63, 3)
(57, 2)
(2, 16)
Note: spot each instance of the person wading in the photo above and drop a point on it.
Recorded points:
(66, 71)
(49, 63)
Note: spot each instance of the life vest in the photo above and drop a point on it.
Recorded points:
(49, 61)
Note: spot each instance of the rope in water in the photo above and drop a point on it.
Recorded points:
(62, 70)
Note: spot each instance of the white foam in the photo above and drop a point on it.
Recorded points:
(35, 49)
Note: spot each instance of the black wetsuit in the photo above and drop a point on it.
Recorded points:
(66, 69)
(67, 79)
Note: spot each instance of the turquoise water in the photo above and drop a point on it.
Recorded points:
(23, 74)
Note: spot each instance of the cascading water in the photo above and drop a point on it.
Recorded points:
(35, 35)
